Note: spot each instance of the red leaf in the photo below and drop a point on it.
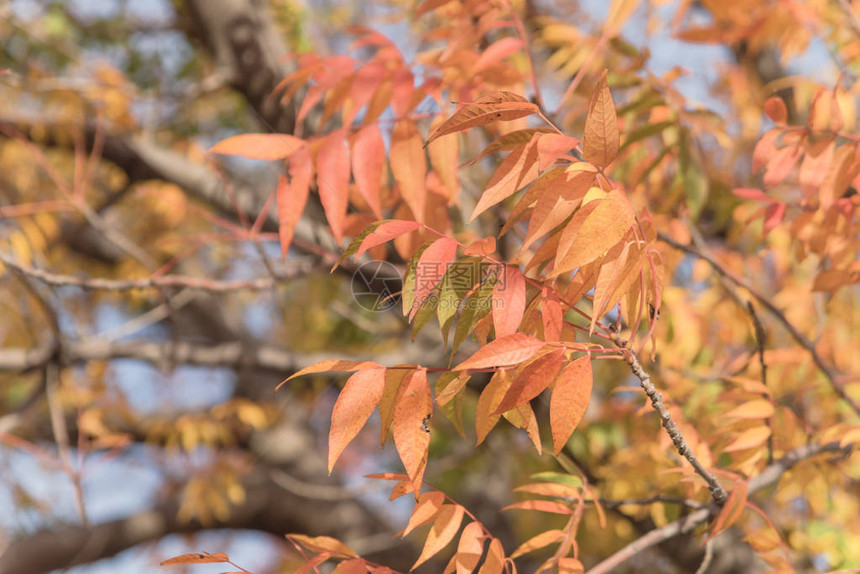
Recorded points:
(509, 301)
(385, 233)
(409, 166)
(495, 107)
(505, 351)
(353, 407)
(197, 558)
(368, 164)
(601, 138)
(292, 198)
(414, 405)
(445, 527)
(569, 401)
(775, 109)
(532, 380)
(259, 146)
(431, 268)
(333, 180)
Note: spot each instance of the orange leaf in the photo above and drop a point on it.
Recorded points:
(509, 301)
(781, 164)
(537, 542)
(409, 166)
(541, 506)
(430, 270)
(292, 197)
(569, 401)
(554, 489)
(732, 510)
(387, 231)
(594, 231)
(615, 277)
(775, 109)
(517, 170)
(332, 365)
(368, 165)
(505, 351)
(353, 407)
(550, 147)
(324, 544)
(312, 563)
(426, 509)
(481, 247)
(414, 405)
(552, 316)
(490, 397)
(354, 566)
(333, 180)
(444, 153)
(197, 558)
(754, 409)
(568, 565)
(470, 548)
(494, 563)
(393, 382)
(750, 438)
(841, 171)
(444, 529)
(532, 380)
(556, 203)
(259, 146)
(495, 107)
(601, 138)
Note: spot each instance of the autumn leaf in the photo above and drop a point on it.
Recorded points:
(430, 269)
(333, 180)
(470, 548)
(332, 365)
(750, 438)
(496, 52)
(483, 247)
(505, 351)
(259, 146)
(409, 166)
(495, 107)
(732, 509)
(444, 154)
(517, 170)
(323, 544)
(494, 562)
(445, 526)
(775, 109)
(549, 506)
(569, 400)
(385, 232)
(753, 409)
(532, 380)
(292, 195)
(394, 378)
(413, 405)
(509, 301)
(537, 542)
(601, 137)
(368, 165)
(490, 397)
(197, 558)
(353, 407)
(426, 508)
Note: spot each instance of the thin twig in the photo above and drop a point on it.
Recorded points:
(765, 302)
(717, 491)
(761, 338)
